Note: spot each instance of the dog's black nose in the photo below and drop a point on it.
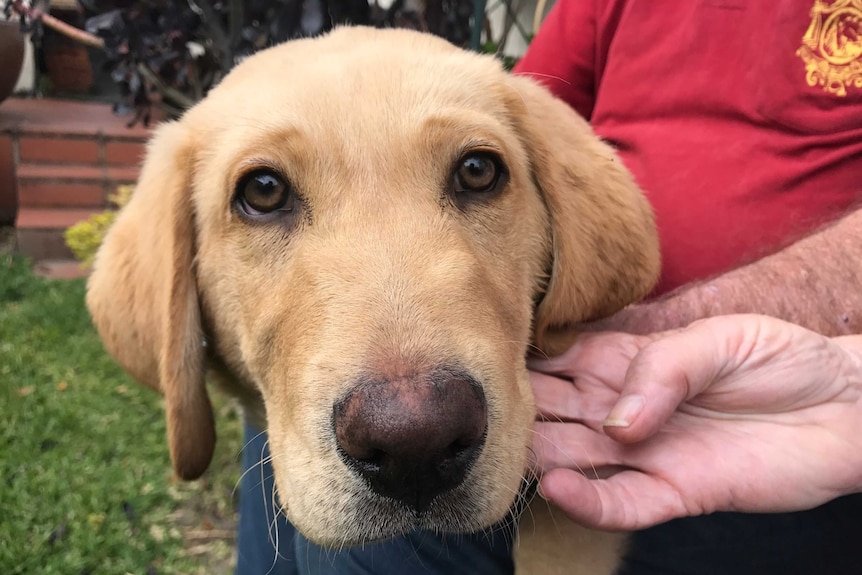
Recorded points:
(412, 438)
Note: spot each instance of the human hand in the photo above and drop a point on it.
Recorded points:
(744, 413)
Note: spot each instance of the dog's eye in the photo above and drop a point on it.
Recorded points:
(264, 191)
(478, 172)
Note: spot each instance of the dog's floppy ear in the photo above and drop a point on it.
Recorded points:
(605, 246)
(143, 298)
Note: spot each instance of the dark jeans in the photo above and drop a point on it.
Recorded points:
(821, 541)
(486, 553)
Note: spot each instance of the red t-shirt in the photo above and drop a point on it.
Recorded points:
(741, 119)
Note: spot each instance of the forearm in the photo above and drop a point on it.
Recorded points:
(816, 283)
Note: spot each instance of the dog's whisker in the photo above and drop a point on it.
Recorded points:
(567, 452)
(520, 497)
(549, 76)
(242, 476)
(272, 530)
(260, 463)
(273, 525)
(247, 443)
(415, 551)
(263, 450)
(242, 449)
(539, 351)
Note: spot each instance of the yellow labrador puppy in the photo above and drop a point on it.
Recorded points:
(360, 236)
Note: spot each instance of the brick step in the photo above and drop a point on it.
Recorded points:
(59, 162)
(90, 150)
(49, 117)
(61, 185)
(77, 172)
(40, 231)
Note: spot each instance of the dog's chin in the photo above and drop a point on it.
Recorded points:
(370, 518)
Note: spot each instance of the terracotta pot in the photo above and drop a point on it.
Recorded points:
(67, 64)
(11, 56)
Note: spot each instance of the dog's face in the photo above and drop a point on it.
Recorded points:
(370, 229)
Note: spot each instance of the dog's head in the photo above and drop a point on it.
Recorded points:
(369, 230)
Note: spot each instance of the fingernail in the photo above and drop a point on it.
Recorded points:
(625, 411)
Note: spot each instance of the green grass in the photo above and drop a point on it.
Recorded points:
(85, 477)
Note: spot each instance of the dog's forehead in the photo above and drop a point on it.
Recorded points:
(379, 74)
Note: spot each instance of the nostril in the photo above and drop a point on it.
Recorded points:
(455, 459)
(458, 458)
(462, 451)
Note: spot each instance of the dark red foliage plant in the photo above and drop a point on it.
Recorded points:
(170, 54)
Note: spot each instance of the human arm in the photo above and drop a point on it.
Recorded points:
(815, 282)
(743, 413)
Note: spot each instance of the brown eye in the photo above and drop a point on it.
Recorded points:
(263, 192)
(478, 172)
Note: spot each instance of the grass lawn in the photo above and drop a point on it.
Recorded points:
(85, 478)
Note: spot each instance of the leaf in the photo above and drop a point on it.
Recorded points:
(96, 520)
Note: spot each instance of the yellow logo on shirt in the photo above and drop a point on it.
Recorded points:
(832, 46)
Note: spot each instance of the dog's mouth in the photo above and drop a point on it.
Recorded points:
(443, 493)
(425, 451)
(456, 511)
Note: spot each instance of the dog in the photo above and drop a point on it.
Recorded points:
(361, 237)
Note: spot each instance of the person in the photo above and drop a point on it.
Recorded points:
(733, 413)
(742, 121)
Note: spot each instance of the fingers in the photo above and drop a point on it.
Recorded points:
(602, 355)
(573, 446)
(555, 397)
(562, 400)
(627, 501)
(671, 370)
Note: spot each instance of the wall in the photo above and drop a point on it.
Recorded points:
(26, 80)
